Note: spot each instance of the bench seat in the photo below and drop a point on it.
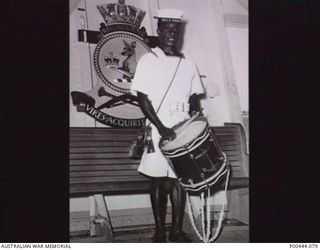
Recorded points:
(99, 160)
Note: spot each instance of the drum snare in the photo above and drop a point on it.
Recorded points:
(195, 155)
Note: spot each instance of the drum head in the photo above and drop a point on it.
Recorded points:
(186, 135)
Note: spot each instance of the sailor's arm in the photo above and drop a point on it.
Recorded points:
(148, 110)
(194, 103)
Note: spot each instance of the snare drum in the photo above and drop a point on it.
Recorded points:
(195, 155)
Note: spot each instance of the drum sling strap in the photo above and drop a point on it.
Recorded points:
(149, 143)
(170, 84)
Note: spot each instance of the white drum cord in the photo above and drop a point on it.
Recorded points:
(205, 212)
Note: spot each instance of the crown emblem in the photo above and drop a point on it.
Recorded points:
(115, 13)
(111, 61)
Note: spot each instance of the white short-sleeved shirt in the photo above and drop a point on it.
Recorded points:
(153, 75)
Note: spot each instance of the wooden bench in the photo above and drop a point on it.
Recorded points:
(99, 161)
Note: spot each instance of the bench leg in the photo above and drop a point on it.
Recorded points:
(100, 223)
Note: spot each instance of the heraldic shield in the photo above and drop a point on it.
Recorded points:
(121, 44)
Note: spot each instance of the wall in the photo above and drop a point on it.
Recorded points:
(236, 23)
(206, 40)
(235, 15)
(238, 39)
(80, 68)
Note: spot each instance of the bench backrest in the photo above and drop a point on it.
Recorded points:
(99, 161)
(232, 140)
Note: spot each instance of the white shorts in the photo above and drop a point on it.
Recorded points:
(155, 164)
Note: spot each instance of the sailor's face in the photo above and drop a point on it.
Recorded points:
(169, 33)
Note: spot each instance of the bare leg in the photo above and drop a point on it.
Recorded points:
(159, 200)
(178, 201)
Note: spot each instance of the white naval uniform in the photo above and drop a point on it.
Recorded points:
(152, 77)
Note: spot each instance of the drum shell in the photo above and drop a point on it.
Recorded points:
(198, 166)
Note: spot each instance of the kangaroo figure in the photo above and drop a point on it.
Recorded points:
(130, 63)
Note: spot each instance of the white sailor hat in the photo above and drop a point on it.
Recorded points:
(169, 15)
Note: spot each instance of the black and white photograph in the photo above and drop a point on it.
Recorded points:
(159, 121)
(127, 122)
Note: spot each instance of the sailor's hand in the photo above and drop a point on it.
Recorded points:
(167, 134)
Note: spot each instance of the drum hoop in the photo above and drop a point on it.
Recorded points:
(185, 124)
(187, 148)
(218, 174)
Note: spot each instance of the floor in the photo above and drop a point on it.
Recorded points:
(232, 232)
